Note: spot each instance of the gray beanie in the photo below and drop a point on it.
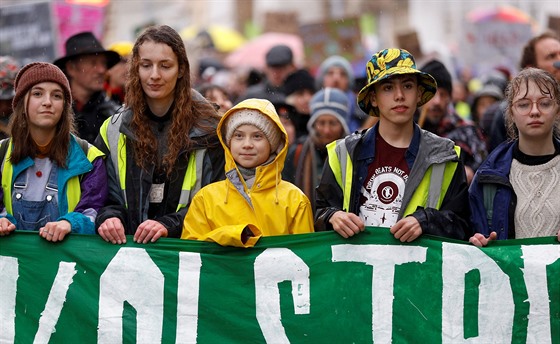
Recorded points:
(334, 61)
(329, 101)
(257, 119)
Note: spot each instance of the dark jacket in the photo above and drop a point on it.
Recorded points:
(451, 220)
(92, 115)
(139, 181)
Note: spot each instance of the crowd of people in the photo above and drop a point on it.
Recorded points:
(125, 141)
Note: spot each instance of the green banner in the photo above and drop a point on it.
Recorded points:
(308, 288)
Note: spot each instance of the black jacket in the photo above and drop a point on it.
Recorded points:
(139, 182)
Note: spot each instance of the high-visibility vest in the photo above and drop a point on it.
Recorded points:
(73, 189)
(429, 193)
(116, 141)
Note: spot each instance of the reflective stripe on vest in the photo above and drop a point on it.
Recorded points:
(7, 174)
(433, 186)
(117, 149)
(73, 188)
(193, 177)
(429, 193)
(342, 169)
(116, 142)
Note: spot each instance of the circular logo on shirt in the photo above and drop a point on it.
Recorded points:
(387, 192)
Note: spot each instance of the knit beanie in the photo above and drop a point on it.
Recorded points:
(437, 69)
(257, 119)
(38, 72)
(329, 101)
(334, 61)
(299, 80)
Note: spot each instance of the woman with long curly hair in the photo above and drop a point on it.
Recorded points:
(52, 181)
(514, 193)
(163, 146)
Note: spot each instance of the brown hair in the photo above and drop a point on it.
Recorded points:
(187, 114)
(546, 83)
(529, 57)
(24, 145)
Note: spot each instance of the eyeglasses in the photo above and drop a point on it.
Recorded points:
(545, 105)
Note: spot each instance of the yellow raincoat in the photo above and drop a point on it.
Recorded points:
(220, 212)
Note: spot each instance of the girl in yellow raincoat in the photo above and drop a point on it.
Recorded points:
(253, 200)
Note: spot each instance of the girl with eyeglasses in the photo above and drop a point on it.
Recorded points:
(514, 193)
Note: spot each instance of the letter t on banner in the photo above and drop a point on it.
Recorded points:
(383, 260)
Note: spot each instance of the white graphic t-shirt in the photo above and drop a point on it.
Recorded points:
(383, 189)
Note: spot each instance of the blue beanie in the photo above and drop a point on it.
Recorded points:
(329, 101)
(334, 61)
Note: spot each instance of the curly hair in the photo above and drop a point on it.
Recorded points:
(24, 145)
(187, 113)
(547, 85)
(529, 56)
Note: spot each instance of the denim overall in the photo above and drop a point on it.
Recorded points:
(32, 215)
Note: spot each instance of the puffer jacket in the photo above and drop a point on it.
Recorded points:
(223, 212)
(451, 220)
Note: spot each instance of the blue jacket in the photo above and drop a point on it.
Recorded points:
(491, 195)
(92, 180)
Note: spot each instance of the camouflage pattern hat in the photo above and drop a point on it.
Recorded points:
(9, 68)
(390, 62)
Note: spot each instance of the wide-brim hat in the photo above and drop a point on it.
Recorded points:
(390, 62)
(85, 43)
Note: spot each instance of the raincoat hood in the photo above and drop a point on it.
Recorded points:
(270, 173)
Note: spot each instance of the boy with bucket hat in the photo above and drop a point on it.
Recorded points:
(394, 174)
(85, 64)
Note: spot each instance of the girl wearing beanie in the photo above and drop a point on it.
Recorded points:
(52, 181)
(253, 201)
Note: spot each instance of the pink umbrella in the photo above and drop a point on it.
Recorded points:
(252, 53)
(505, 14)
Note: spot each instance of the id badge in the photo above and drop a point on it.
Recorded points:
(156, 193)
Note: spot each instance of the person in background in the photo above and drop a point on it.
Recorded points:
(52, 181)
(163, 146)
(514, 194)
(541, 51)
(305, 161)
(439, 117)
(288, 117)
(9, 67)
(299, 87)
(394, 174)
(253, 201)
(218, 95)
(85, 64)
(487, 97)
(279, 64)
(460, 99)
(336, 72)
(116, 76)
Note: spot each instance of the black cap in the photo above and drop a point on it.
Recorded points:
(438, 70)
(279, 55)
(299, 80)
